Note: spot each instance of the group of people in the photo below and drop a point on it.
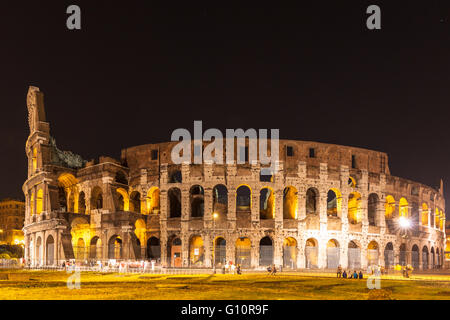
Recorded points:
(272, 270)
(349, 275)
(232, 268)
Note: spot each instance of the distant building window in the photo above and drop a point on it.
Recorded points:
(265, 178)
(312, 152)
(289, 151)
(154, 154)
(353, 161)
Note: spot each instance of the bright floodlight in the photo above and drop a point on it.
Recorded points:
(215, 215)
(404, 222)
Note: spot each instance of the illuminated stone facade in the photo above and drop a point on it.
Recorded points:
(12, 216)
(327, 205)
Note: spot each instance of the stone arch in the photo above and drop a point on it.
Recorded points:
(174, 202)
(372, 208)
(50, 250)
(220, 200)
(115, 248)
(123, 200)
(290, 203)
(39, 251)
(197, 201)
(354, 255)
(220, 251)
(82, 203)
(312, 199)
(95, 248)
(243, 198)
(334, 203)
(351, 182)
(389, 255)
(425, 258)
(403, 252)
(154, 249)
(96, 198)
(243, 252)
(196, 251)
(424, 215)
(333, 254)
(174, 250)
(354, 208)
(140, 230)
(135, 201)
(415, 256)
(389, 207)
(312, 253)
(39, 201)
(290, 253)
(403, 208)
(373, 253)
(152, 201)
(80, 249)
(266, 251)
(266, 203)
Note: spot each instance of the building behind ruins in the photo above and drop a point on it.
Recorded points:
(327, 205)
(12, 216)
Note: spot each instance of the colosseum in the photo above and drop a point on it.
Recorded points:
(327, 205)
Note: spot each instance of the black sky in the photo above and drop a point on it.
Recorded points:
(137, 70)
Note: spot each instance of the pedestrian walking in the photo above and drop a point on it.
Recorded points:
(339, 271)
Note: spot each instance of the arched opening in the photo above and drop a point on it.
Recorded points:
(80, 250)
(351, 182)
(333, 254)
(402, 259)
(290, 203)
(153, 206)
(243, 252)
(425, 258)
(415, 257)
(154, 249)
(354, 255)
(266, 204)
(311, 254)
(389, 207)
(71, 203)
(197, 201)
(96, 198)
(135, 202)
(123, 202)
(403, 208)
(372, 206)
(243, 198)
(121, 178)
(334, 203)
(432, 258)
(32, 204)
(265, 251)
(311, 201)
(220, 200)
(290, 253)
(354, 208)
(373, 254)
(174, 198)
(82, 203)
(175, 177)
(425, 213)
(115, 248)
(174, 252)
(39, 255)
(196, 251)
(389, 255)
(95, 248)
(39, 201)
(220, 251)
(34, 160)
(50, 250)
(140, 231)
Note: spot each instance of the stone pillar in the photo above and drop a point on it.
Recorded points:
(163, 245)
(364, 247)
(255, 253)
(343, 257)
(231, 250)
(301, 254)
(322, 262)
(126, 242)
(231, 215)
(278, 251)
(420, 259)
(255, 208)
(208, 247)
(185, 248)
(208, 204)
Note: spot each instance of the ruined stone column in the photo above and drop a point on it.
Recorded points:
(126, 242)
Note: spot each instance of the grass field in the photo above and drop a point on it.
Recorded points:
(53, 285)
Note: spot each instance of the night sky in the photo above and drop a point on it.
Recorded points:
(137, 71)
